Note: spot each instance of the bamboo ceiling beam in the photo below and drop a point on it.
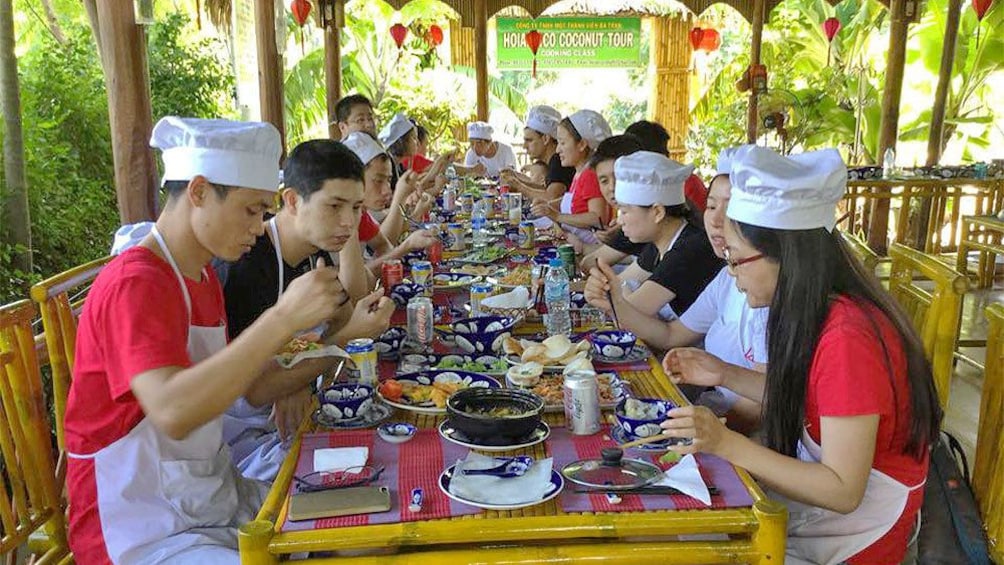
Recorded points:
(269, 68)
(481, 49)
(333, 19)
(759, 14)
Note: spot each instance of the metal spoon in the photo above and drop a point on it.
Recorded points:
(508, 469)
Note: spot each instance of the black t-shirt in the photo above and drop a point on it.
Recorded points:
(251, 284)
(685, 269)
(620, 242)
(558, 173)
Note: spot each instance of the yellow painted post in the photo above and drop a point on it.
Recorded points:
(252, 541)
(771, 535)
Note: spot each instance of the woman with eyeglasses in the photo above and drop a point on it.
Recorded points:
(849, 404)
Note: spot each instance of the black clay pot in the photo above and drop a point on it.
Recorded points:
(468, 412)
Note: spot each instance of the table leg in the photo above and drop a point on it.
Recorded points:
(252, 541)
(771, 535)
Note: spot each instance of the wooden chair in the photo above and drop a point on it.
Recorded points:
(59, 299)
(935, 307)
(30, 500)
(869, 258)
(988, 471)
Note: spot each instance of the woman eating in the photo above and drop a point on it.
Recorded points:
(582, 208)
(849, 405)
(541, 143)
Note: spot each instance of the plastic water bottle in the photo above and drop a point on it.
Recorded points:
(556, 296)
(479, 223)
(889, 163)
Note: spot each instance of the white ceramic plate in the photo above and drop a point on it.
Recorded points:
(541, 433)
(557, 483)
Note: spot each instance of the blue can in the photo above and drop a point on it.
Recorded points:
(421, 274)
(479, 291)
(364, 357)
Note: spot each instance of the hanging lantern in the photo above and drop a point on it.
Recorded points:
(696, 36)
(981, 7)
(435, 35)
(301, 11)
(711, 40)
(398, 32)
(831, 27)
(533, 40)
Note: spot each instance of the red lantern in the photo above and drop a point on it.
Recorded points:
(981, 7)
(533, 40)
(696, 36)
(301, 11)
(711, 40)
(831, 27)
(435, 35)
(398, 32)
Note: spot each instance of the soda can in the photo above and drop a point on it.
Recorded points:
(391, 273)
(421, 273)
(456, 235)
(421, 318)
(479, 291)
(435, 252)
(364, 357)
(567, 255)
(582, 403)
(526, 230)
(466, 203)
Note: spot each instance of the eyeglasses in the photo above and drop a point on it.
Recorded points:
(733, 263)
(328, 480)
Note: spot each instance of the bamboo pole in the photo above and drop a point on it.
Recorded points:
(333, 61)
(759, 15)
(123, 50)
(481, 52)
(15, 215)
(669, 99)
(462, 50)
(892, 92)
(269, 68)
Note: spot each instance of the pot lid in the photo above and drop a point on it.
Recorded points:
(612, 472)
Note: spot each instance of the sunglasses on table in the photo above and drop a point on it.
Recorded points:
(733, 263)
(328, 480)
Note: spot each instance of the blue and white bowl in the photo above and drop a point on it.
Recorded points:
(614, 344)
(410, 258)
(577, 300)
(396, 432)
(648, 425)
(346, 401)
(484, 334)
(403, 292)
(389, 342)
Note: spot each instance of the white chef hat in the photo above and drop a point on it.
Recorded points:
(591, 126)
(543, 119)
(645, 178)
(398, 127)
(798, 192)
(729, 156)
(242, 154)
(363, 145)
(480, 130)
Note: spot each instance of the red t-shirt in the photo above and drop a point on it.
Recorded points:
(585, 187)
(368, 228)
(696, 192)
(850, 377)
(134, 320)
(417, 163)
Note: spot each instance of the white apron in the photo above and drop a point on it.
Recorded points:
(587, 236)
(254, 441)
(824, 537)
(163, 500)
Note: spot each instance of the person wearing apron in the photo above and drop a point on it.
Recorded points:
(149, 478)
(849, 405)
(582, 209)
(321, 202)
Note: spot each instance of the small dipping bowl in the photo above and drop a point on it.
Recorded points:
(636, 428)
(403, 292)
(396, 432)
(614, 344)
(346, 401)
(389, 342)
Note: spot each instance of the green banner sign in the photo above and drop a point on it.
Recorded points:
(570, 43)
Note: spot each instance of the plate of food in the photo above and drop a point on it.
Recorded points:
(485, 256)
(306, 346)
(554, 354)
(483, 364)
(550, 387)
(478, 270)
(520, 276)
(452, 280)
(426, 392)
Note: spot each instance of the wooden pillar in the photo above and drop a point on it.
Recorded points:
(123, 52)
(481, 52)
(333, 23)
(892, 91)
(269, 68)
(462, 52)
(759, 16)
(669, 59)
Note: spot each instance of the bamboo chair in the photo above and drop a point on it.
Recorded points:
(988, 472)
(936, 313)
(869, 258)
(30, 502)
(59, 299)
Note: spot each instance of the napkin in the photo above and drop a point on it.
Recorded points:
(528, 488)
(518, 297)
(542, 223)
(685, 477)
(340, 458)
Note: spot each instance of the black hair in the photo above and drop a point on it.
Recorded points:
(173, 188)
(312, 163)
(344, 106)
(815, 267)
(614, 147)
(399, 146)
(653, 136)
(421, 132)
(570, 128)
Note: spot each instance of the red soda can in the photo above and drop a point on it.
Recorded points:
(435, 253)
(392, 273)
(504, 189)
